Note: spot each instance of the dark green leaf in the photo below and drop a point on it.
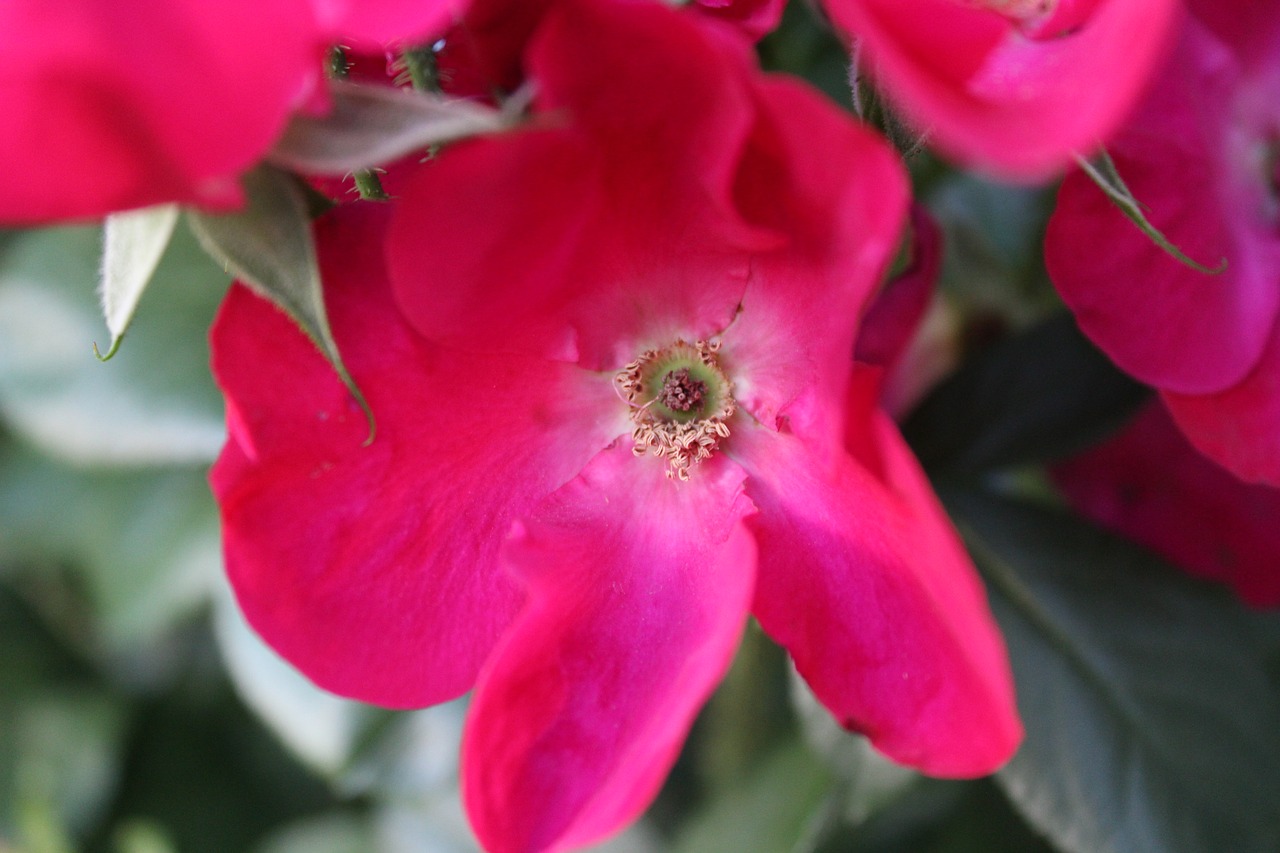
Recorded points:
(936, 816)
(33, 657)
(201, 771)
(805, 44)
(269, 247)
(1035, 397)
(1009, 220)
(1152, 725)
(58, 734)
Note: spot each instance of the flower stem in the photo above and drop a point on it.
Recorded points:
(337, 66)
(369, 185)
(424, 74)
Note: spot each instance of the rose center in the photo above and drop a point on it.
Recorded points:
(680, 404)
(681, 392)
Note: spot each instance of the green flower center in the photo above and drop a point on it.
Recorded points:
(680, 403)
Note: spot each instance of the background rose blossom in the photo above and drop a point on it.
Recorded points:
(1003, 87)
(116, 105)
(1150, 484)
(1210, 343)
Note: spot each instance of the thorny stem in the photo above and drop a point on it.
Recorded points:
(338, 66)
(424, 74)
(368, 184)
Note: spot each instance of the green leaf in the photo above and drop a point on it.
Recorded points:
(747, 714)
(1008, 220)
(409, 757)
(141, 836)
(865, 782)
(1039, 396)
(1152, 724)
(34, 658)
(937, 816)
(39, 830)
(155, 402)
(269, 247)
(319, 728)
(993, 268)
(59, 740)
(62, 749)
(330, 833)
(372, 125)
(202, 771)
(770, 812)
(1102, 171)
(144, 543)
(132, 244)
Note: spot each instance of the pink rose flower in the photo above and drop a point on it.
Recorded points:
(610, 357)
(756, 18)
(893, 339)
(1149, 484)
(1200, 153)
(1014, 87)
(482, 54)
(116, 104)
(357, 23)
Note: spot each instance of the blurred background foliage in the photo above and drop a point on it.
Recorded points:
(139, 714)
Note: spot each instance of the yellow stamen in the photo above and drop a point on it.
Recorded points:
(689, 430)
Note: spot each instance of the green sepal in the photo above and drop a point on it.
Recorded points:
(269, 247)
(133, 242)
(1102, 171)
